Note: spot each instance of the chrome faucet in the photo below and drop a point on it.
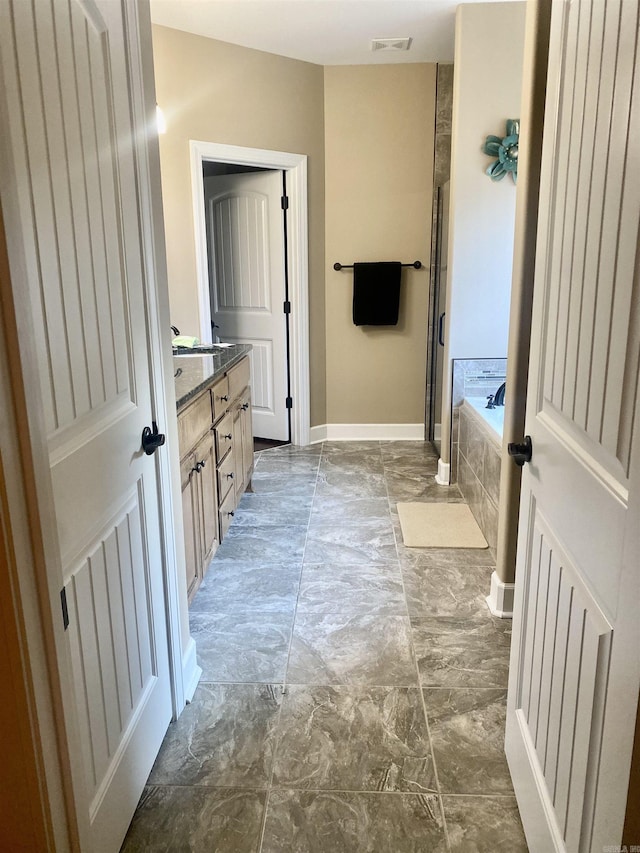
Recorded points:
(497, 399)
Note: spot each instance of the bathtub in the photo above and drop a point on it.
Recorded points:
(479, 460)
(494, 418)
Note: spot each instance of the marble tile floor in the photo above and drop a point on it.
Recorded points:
(353, 690)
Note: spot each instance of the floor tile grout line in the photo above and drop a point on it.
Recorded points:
(283, 686)
(424, 707)
(337, 684)
(274, 683)
(279, 733)
(358, 684)
(277, 739)
(263, 823)
(367, 792)
(304, 549)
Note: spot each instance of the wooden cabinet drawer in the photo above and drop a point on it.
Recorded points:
(220, 397)
(224, 436)
(226, 475)
(227, 508)
(238, 378)
(193, 422)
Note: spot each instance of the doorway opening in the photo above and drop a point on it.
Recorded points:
(232, 164)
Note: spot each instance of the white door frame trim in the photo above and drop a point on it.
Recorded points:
(184, 671)
(295, 165)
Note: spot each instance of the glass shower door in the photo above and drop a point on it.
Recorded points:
(437, 318)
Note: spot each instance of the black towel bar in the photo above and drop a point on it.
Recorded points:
(338, 266)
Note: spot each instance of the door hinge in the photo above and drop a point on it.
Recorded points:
(289, 402)
(65, 609)
(284, 201)
(287, 307)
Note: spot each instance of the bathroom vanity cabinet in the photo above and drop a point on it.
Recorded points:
(216, 450)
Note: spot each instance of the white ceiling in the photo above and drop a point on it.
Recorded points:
(326, 32)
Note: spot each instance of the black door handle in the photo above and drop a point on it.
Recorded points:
(521, 453)
(441, 329)
(152, 439)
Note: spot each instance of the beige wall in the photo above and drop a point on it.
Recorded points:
(369, 197)
(482, 212)
(217, 92)
(379, 129)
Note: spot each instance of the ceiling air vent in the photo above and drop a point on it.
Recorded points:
(391, 44)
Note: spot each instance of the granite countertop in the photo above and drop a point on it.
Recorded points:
(193, 372)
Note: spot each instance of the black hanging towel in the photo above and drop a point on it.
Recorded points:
(376, 293)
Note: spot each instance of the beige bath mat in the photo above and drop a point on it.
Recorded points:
(439, 525)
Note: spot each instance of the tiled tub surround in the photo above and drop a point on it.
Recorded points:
(479, 460)
(472, 377)
(353, 690)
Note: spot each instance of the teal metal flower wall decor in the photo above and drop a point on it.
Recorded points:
(506, 150)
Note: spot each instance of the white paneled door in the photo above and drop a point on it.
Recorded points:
(72, 91)
(575, 676)
(245, 238)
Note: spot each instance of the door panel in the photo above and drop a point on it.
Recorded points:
(562, 675)
(76, 215)
(73, 136)
(242, 268)
(190, 522)
(247, 281)
(247, 437)
(261, 359)
(207, 478)
(573, 686)
(111, 644)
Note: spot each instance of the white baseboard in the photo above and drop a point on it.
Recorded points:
(318, 434)
(500, 599)
(444, 473)
(191, 672)
(367, 432)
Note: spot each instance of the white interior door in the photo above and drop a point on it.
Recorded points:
(574, 679)
(71, 98)
(247, 277)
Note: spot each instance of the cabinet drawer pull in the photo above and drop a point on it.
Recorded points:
(198, 467)
(231, 513)
(245, 406)
(202, 463)
(228, 436)
(230, 476)
(224, 398)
